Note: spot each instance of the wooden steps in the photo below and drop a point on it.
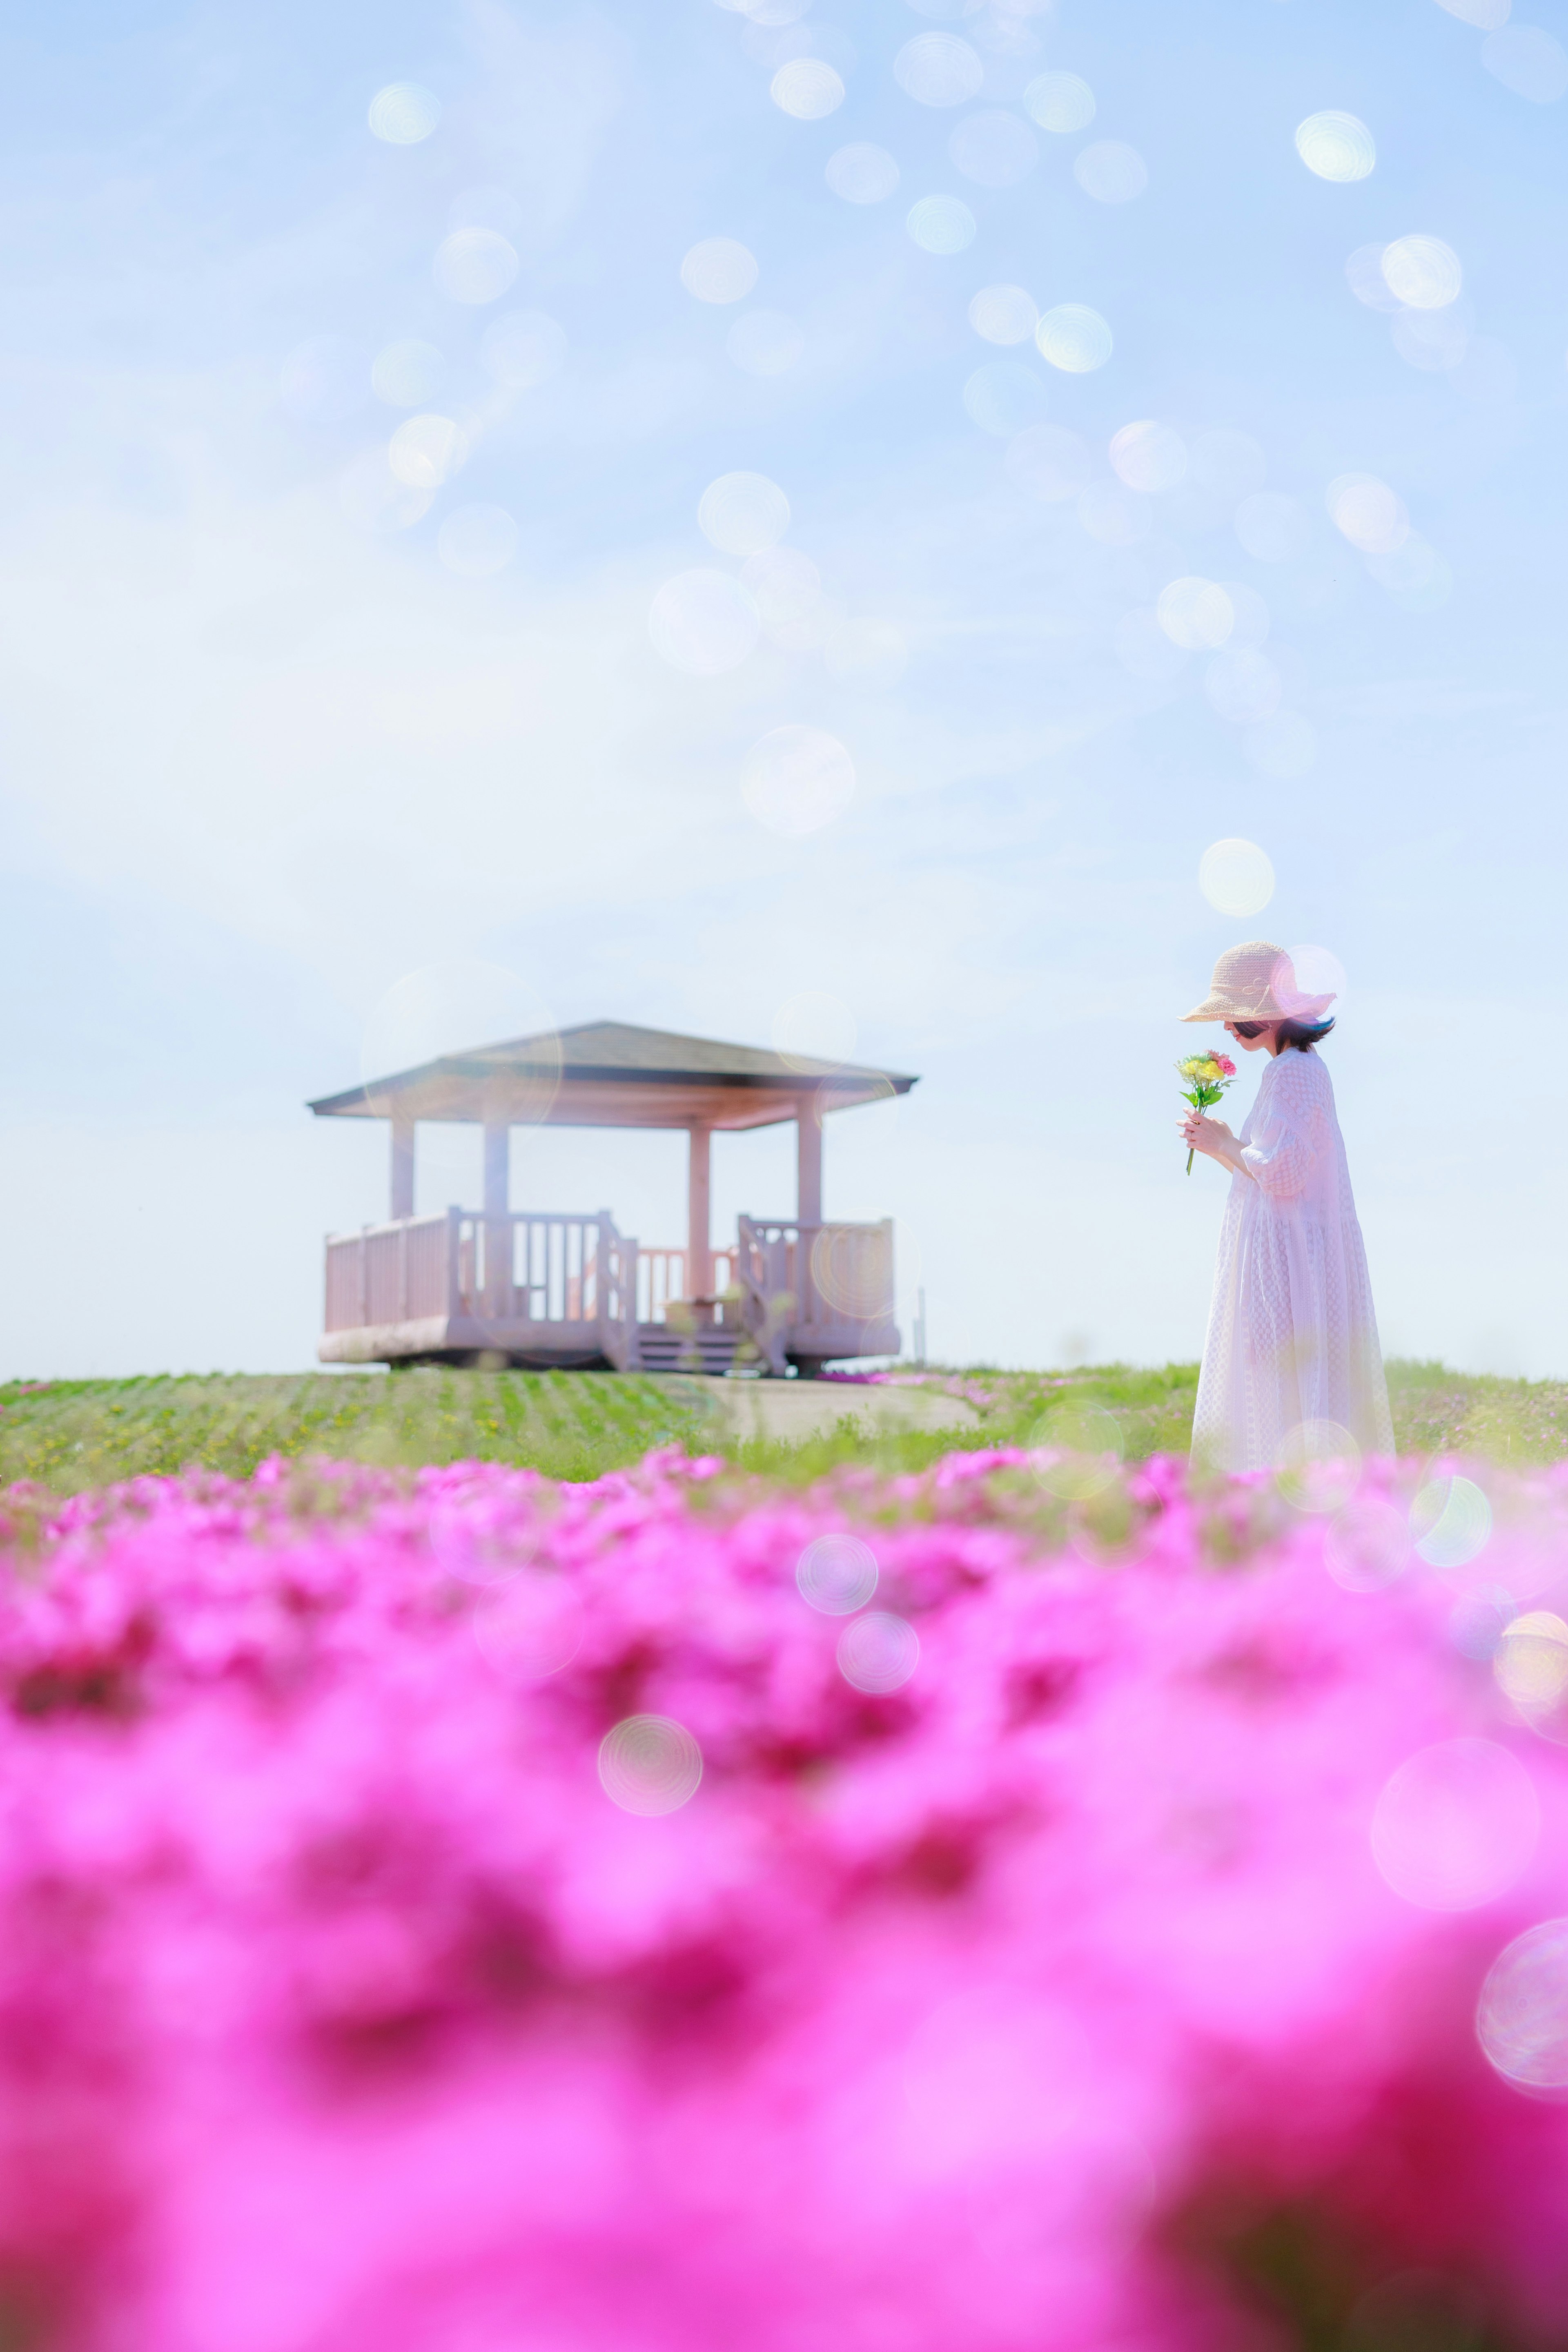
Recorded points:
(662, 1348)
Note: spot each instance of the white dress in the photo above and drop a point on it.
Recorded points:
(1291, 1332)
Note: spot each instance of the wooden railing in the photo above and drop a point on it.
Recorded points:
(490, 1278)
(466, 1282)
(816, 1290)
(389, 1274)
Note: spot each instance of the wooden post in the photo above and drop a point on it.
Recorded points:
(699, 1254)
(454, 1263)
(497, 1168)
(401, 1166)
(808, 1204)
(808, 1162)
(498, 1218)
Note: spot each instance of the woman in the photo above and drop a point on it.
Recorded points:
(1292, 1333)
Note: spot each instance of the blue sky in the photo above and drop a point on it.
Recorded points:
(276, 741)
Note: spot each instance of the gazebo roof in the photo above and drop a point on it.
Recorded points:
(613, 1073)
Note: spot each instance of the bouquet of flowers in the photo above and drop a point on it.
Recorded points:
(1208, 1075)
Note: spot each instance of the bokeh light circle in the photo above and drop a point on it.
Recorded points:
(404, 113)
(786, 588)
(1527, 60)
(742, 514)
(1363, 275)
(475, 266)
(649, 1765)
(530, 1627)
(795, 780)
(1367, 1545)
(938, 69)
(1283, 748)
(1074, 339)
(1477, 1622)
(454, 1007)
(1450, 1520)
(1422, 272)
(1433, 341)
(719, 269)
(1076, 1450)
(373, 497)
(861, 173)
(477, 541)
(1521, 2014)
(1368, 512)
(941, 224)
(1061, 102)
(1148, 456)
(1456, 1825)
(1003, 397)
(480, 1538)
(1236, 876)
(427, 450)
(806, 87)
(853, 1272)
(1304, 977)
(703, 623)
(836, 1574)
(1415, 575)
(1319, 1467)
(878, 1652)
(1111, 172)
(1004, 314)
(1196, 614)
(1336, 146)
(522, 348)
(1530, 1662)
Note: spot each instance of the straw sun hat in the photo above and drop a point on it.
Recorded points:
(1258, 983)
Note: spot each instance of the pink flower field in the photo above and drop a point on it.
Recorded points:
(459, 1912)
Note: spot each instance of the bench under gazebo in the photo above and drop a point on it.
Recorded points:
(498, 1286)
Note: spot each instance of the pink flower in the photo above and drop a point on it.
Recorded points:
(349, 1995)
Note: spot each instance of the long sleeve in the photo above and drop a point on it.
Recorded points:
(1292, 1133)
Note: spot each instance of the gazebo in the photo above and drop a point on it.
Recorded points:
(498, 1286)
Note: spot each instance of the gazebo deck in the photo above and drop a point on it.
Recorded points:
(559, 1289)
(531, 1287)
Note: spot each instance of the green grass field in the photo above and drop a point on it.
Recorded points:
(71, 1434)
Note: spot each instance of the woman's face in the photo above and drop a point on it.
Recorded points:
(1251, 1045)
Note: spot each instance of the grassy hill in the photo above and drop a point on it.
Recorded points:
(70, 1435)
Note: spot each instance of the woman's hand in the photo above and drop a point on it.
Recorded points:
(1213, 1139)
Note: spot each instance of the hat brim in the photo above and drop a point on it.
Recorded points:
(1217, 1008)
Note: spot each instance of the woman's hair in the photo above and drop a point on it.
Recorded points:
(1299, 1034)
